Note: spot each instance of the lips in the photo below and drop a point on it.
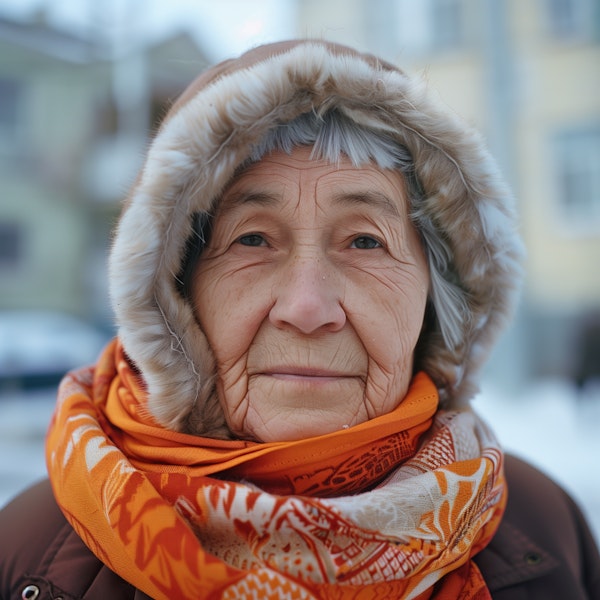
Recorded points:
(304, 372)
(305, 375)
(297, 371)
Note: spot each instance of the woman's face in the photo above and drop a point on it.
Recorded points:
(312, 293)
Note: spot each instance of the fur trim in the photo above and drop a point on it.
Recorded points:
(208, 133)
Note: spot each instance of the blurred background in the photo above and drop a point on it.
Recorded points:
(83, 85)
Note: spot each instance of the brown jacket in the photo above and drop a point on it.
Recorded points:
(527, 559)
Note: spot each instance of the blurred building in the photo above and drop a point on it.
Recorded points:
(50, 89)
(75, 117)
(527, 75)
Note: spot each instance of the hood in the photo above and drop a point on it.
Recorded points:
(209, 132)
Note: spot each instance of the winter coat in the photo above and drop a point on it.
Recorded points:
(42, 557)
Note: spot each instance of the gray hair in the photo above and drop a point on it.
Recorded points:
(332, 135)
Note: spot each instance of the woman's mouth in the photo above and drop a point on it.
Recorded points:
(305, 374)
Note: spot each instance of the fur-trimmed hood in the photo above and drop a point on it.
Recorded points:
(209, 132)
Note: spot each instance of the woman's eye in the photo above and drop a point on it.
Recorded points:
(252, 239)
(365, 242)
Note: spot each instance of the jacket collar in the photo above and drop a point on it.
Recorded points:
(513, 558)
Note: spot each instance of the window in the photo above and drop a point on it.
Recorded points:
(578, 176)
(447, 24)
(431, 25)
(11, 245)
(10, 100)
(573, 19)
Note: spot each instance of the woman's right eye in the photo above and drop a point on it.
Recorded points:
(252, 239)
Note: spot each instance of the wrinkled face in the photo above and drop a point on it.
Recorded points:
(311, 293)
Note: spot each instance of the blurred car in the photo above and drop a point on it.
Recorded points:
(38, 347)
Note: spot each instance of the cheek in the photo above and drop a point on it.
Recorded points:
(230, 308)
(388, 315)
(390, 340)
(390, 333)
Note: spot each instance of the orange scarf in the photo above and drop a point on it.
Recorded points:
(392, 508)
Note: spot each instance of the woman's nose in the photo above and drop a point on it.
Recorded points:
(307, 298)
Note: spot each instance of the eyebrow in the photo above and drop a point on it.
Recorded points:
(367, 197)
(241, 198)
(370, 198)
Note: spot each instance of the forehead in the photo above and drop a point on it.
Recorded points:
(301, 161)
(279, 174)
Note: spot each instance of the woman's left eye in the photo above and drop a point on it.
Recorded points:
(365, 242)
(252, 239)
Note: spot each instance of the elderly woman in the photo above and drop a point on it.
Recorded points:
(308, 274)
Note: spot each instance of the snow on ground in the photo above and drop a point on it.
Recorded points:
(547, 423)
(555, 429)
(23, 423)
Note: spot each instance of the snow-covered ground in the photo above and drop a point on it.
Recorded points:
(547, 423)
(557, 430)
(24, 419)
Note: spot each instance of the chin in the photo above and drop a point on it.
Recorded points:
(284, 431)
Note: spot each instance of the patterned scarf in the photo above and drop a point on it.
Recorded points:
(392, 508)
